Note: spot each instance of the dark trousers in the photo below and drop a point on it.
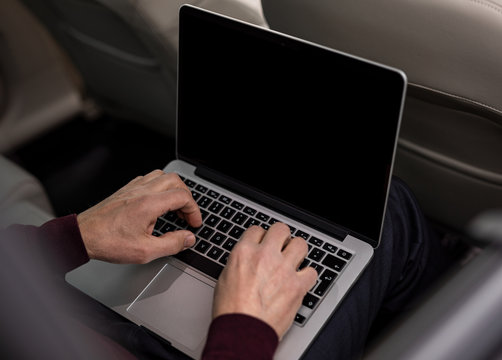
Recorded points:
(407, 261)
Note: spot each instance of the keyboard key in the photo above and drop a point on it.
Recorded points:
(328, 276)
(170, 216)
(227, 213)
(316, 254)
(189, 228)
(302, 234)
(249, 211)
(262, 217)
(212, 220)
(158, 225)
(317, 267)
(237, 205)
(239, 218)
(215, 253)
(204, 202)
(190, 183)
(225, 199)
(224, 226)
(321, 289)
(170, 227)
(310, 301)
(236, 232)
(229, 244)
(331, 248)
(201, 263)
(304, 264)
(218, 238)
(344, 254)
(272, 221)
(206, 232)
(181, 223)
(316, 241)
(201, 188)
(251, 222)
(334, 263)
(202, 246)
(213, 194)
(327, 279)
(215, 207)
(195, 195)
(300, 319)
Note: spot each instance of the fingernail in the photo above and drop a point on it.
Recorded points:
(189, 240)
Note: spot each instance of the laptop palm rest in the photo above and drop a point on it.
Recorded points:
(177, 306)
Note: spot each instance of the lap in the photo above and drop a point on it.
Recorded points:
(407, 261)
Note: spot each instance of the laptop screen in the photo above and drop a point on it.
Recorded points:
(299, 123)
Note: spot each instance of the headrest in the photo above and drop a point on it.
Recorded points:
(450, 46)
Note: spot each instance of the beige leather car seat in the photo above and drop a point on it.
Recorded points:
(38, 87)
(126, 50)
(450, 148)
(22, 197)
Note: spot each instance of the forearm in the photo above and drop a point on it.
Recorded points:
(57, 244)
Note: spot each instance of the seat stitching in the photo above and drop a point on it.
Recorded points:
(489, 4)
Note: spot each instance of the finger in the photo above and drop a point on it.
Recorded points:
(175, 200)
(308, 278)
(171, 243)
(253, 234)
(295, 251)
(277, 236)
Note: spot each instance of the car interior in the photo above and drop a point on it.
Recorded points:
(88, 102)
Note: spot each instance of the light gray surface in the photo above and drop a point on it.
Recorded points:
(461, 320)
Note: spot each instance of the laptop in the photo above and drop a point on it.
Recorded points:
(269, 128)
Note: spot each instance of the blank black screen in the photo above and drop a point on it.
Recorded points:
(304, 124)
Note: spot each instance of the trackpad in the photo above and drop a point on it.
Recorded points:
(176, 306)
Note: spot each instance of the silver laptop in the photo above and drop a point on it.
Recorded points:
(270, 128)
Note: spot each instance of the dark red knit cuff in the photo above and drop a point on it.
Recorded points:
(63, 243)
(239, 336)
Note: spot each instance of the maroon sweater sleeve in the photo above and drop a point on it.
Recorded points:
(59, 245)
(58, 242)
(239, 336)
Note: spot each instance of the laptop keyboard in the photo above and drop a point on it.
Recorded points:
(225, 220)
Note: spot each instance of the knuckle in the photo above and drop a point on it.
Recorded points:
(171, 176)
(283, 228)
(157, 172)
(302, 245)
(256, 230)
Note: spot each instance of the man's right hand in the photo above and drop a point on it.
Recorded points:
(261, 277)
(119, 228)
